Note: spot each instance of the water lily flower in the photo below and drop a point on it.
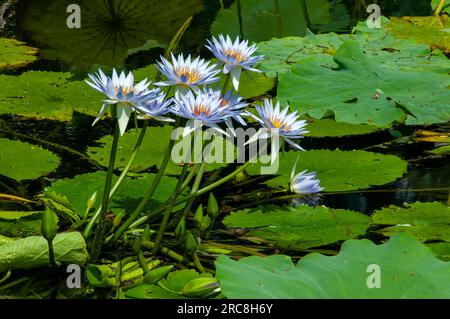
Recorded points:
(187, 73)
(306, 183)
(235, 56)
(120, 90)
(201, 109)
(231, 104)
(156, 108)
(277, 122)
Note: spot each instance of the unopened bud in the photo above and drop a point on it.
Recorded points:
(201, 287)
(213, 207)
(155, 275)
(49, 224)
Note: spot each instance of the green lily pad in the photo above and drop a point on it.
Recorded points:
(425, 221)
(253, 85)
(15, 54)
(441, 250)
(167, 288)
(108, 28)
(19, 160)
(21, 227)
(361, 91)
(407, 268)
(331, 128)
(79, 189)
(258, 20)
(155, 143)
(13, 215)
(338, 170)
(301, 227)
(32, 252)
(47, 95)
(443, 150)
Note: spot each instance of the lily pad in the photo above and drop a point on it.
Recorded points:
(47, 95)
(108, 28)
(338, 170)
(408, 269)
(253, 84)
(425, 221)
(13, 215)
(361, 91)
(331, 128)
(15, 54)
(32, 252)
(79, 189)
(301, 227)
(155, 142)
(19, 160)
(21, 227)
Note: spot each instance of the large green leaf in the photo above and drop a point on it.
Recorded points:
(151, 152)
(108, 28)
(299, 227)
(408, 269)
(32, 252)
(338, 170)
(47, 95)
(14, 54)
(425, 221)
(360, 90)
(331, 128)
(19, 160)
(258, 20)
(22, 227)
(79, 189)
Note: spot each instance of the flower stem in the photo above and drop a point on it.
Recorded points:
(148, 195)
(166, 217)
(88, 230)
(98, 240)
(225, 85)
(51, 254)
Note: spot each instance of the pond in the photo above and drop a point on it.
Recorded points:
(371, 135)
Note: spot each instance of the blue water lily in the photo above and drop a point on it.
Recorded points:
(156, 108)
(204, 108)
(277, 122)
(186, 73)
(306, 183)
(235, 56)
(121, 90)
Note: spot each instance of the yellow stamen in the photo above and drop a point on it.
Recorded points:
(201, 109)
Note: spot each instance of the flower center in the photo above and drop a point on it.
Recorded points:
(235, 55)
(201, 109)
(125, 90)
(224, 103)
(187, 76)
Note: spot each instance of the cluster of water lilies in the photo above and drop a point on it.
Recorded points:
(199, 101)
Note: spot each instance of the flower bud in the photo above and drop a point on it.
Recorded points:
(146, 234)
(118, 218)
(155, 275)
(180, 231)
(206, 223)
(91, 201)
(201, 287)
(213, 207)
(49, 224)
(190, 243)
(198, 216)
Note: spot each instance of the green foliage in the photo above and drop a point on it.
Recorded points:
(14, 54)
(425, 221)
(338, 170)
(301, 227)
(32, 252)
(19, 160)
(408, 270)
(361, 91)
(331, 128)
(128, 196)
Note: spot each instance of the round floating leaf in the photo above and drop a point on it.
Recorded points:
(14, 215)
(338, 170)
(79, 189)
(425, 221)
(331, 128)
(108, 28)
(253, 85)
(47, 95)
(406, 269)
(19, 160)
(152, 150)
(361, 91)
(299, 227)
(14, 54)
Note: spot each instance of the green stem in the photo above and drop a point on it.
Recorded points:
(88, 230)
(51, 254)
(195, 188)
(202, 191)
(166, 217)
(225, 85)
(148, 195)
(6, 277)
(98, 240)
(168, 252)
